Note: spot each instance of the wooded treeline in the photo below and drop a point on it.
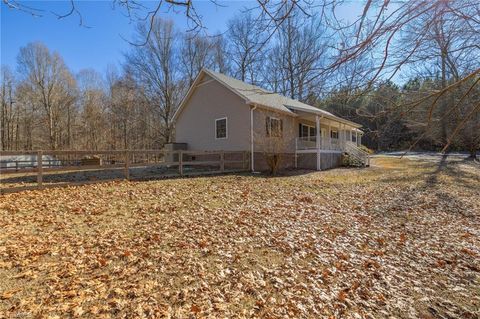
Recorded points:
(425, 95)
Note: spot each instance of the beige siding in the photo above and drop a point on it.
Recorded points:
(195, 124)
(263, 143)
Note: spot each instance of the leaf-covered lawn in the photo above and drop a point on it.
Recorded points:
(399, 239)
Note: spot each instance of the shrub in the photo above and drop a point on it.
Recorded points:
(366, 149)
(350, 161)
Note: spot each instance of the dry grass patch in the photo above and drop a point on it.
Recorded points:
(398, 239)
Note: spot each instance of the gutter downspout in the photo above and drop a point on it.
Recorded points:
(252, 148)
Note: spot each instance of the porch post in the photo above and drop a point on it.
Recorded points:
(329, 136)
(317, 143)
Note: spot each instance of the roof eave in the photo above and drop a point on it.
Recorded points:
(187, 95)
(331, 117)
(270, 108)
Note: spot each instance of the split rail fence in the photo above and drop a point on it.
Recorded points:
(26, 170)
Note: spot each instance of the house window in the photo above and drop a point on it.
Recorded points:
(334, 134)
(312, 131)
(354, 138)
(307, 132)
(274, 126)
(324, 132)
(221, 128)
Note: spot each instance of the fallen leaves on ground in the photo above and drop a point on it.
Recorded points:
(400, 239)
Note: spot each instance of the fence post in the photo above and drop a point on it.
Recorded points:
(180, 162)
(40, 169)
(127, 165)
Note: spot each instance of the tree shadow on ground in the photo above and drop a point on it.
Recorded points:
(462, 172)
(432, 179)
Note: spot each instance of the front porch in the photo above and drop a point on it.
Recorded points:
(326, 140)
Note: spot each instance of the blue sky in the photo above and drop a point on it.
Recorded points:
(101, 44)
(97, 46)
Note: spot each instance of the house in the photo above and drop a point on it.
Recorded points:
(223, 113)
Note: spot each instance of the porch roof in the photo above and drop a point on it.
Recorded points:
(311, 116)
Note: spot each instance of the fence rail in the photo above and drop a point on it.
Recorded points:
(25, 170)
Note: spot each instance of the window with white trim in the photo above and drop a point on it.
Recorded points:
(307, 132)
(354, 137)
(221, 128)
(274, 126)
(334, 134)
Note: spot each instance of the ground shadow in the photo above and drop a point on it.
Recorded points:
(430, 172)
(432, 179)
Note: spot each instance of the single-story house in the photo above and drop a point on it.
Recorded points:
(220, 113)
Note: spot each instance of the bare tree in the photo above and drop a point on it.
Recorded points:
(275, 140)
(124, 100)
(466, 134)
(272, 12)
(221, 62)
(298, 57)
(246, 40)
(51, 85)
(196, 54)
(93, 108)
(396, 35)
(154, 67)
(8, 112)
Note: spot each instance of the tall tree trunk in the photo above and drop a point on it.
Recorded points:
(473, 153)
(444, 103)
(69, 145)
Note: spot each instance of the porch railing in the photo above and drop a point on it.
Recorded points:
(331, 144)
(306, 143)
(352, 149)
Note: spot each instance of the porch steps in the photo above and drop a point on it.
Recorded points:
(357, 153)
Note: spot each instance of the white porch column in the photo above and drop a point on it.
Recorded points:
(329, 136)
(317, 125)
(340, 136)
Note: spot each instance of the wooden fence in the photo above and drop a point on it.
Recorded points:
(26, 170)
